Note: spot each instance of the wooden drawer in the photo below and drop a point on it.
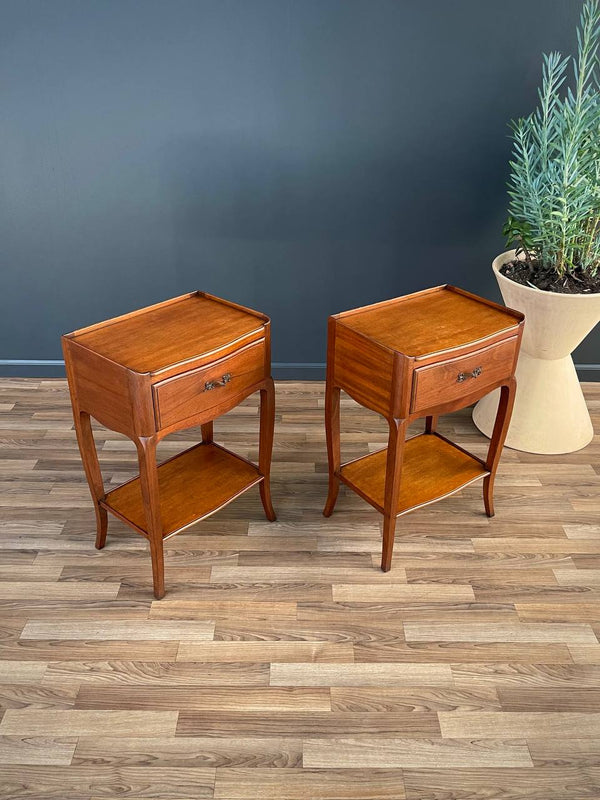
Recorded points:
(454, 378)
(183, 396)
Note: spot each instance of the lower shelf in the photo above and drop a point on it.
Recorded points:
(432, 468)
(192, 485)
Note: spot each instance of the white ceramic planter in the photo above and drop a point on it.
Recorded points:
(550, 414)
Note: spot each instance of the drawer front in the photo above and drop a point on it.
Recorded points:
(454, 378)
(183, 396)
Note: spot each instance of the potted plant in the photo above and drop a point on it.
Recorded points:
(552, 274)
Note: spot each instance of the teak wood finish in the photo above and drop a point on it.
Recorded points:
(416, 356)
(153, 372)
(282, 664)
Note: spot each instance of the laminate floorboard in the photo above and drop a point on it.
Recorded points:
(282, 664)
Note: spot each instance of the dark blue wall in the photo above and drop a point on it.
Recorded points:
(298, 156)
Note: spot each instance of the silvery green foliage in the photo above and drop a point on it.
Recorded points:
(554, 185)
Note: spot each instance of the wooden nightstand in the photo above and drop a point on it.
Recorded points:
(180, 363)
(422, 355)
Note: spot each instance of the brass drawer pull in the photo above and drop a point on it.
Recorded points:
(213, 384)
(462, 376)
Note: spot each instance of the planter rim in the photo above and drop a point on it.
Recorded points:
(507, 255)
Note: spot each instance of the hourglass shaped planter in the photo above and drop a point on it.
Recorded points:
(550, 414)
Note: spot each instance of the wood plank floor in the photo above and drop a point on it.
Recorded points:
(282, 663)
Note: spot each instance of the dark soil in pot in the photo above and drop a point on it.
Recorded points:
(541, 277)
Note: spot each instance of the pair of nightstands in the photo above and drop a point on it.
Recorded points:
(187, 361)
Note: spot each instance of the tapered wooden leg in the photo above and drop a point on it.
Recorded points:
(488, 495)
(431, 424)
(332, 431)
(395, 453)
(101, 526)
(265, 447)
(505, 407)
(91, 466)
(207, 432)
(146, 448)
(389, 529)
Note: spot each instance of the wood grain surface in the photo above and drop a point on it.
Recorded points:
(404, 323)
(283, 664)
(155, 337)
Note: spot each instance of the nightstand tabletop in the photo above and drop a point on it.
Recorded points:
(157, 337)
(429, 322)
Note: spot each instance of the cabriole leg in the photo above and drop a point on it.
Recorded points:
(395, 453)
(505, 407)
(146, 447)
(431, 424)
(207, 432)
(91, 466)
(332, 430)
(265, 448)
